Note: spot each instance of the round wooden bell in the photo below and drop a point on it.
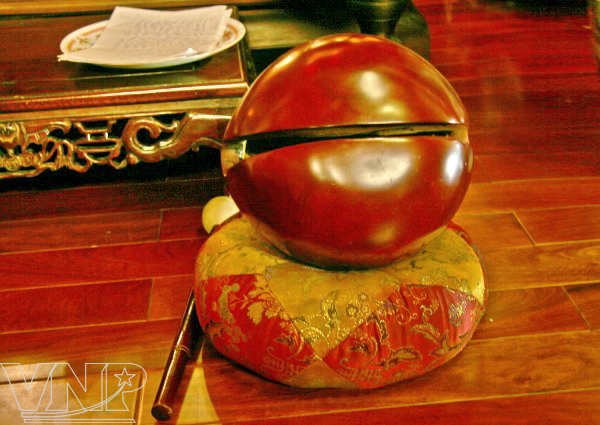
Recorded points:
(349, 151)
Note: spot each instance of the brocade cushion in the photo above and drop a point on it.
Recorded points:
(310, 327)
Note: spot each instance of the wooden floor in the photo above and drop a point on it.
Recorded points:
(98, 270)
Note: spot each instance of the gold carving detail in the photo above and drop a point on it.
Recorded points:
(32, 147)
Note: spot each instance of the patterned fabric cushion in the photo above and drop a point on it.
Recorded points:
(309, 327)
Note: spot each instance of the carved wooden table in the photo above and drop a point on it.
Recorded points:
(56, 115)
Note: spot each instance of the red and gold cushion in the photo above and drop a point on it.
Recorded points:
(310, 327)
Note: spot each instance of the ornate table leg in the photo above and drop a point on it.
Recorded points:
(594, 13)
(398, 20)
(378, 17)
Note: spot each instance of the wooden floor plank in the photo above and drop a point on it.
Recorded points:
(170, 296)
(529, 311)
(89, 265)
(182, 223)
(54, 307)
(541, 165)
(485, 228)
(545, 139)
(555, 265)
(504, 68)
(112, 197)
(79, 231)
(571, 408)
(587, 298)
(562, 224)
(137, 342)
(527, 89)
(523, 195)
(495, 368)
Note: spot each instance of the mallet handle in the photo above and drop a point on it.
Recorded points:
(180, 354)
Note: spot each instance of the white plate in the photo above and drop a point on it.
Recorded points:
(85, 37)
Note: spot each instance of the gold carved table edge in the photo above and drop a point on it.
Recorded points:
(29, 147)
(119, 127)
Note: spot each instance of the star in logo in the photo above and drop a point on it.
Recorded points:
(124, 377)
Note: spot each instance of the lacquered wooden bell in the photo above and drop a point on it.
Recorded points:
(348, 152)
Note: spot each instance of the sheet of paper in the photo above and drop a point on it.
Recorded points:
(135, 35)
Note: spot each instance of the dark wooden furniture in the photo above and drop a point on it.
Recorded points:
(59, 114)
